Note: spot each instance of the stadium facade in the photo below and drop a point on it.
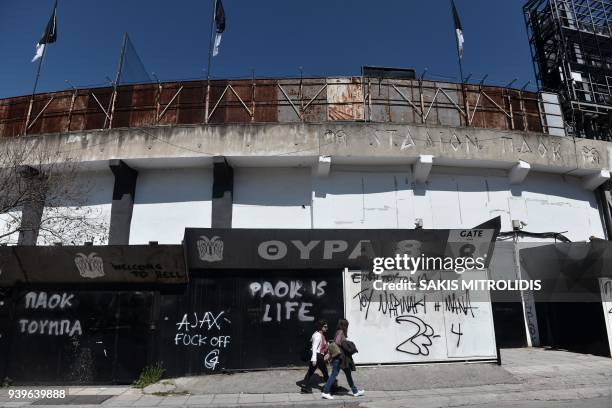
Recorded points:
(232, 208)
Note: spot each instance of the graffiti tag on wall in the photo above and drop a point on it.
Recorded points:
(285, 299)
(204, 330)
(50, 327)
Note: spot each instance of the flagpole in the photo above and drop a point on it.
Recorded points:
(212, 22)
(40, 61)
(210, 34)
(459, 60)
(453, 11)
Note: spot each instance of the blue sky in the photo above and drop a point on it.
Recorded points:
(273, 37)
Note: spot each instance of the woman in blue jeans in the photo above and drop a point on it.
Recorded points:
(341, 361)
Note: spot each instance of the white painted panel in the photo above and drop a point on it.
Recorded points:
(86, 197)
(444, 201)
(405, 202)
(605, 285)
(379, 201)
(472, 201)
(414, 328)
(272, 198)
(363, 200)
(391, 200)
(338, 201)
(546, 217)
(497, 200)
(168, 201)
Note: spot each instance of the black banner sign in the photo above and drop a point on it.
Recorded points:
(98, 264)
(215, 248)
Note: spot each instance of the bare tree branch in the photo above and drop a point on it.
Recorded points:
(36, 178)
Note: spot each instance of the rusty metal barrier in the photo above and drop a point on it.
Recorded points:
(274, 101)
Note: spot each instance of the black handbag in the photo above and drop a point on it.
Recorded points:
(306, 352)
(348, 347)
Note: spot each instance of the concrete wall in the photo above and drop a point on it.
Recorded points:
(169, 200)
(272, 198)
(86, 196)
(454, 199)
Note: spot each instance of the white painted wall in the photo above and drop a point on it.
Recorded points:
(272, 198)
(168, 201)
(413, 326)
(368, 199)
(89, 197)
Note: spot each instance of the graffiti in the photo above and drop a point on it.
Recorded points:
(209, 320)
(89, 266)
(146, 270)
(390, 304)
(291, 308)
(42, 300)
(459, 333)
(531, 317)
(210, 250)
(194, 330)
(420, 341)
(459, 304)
(51, 327)
(212, 359)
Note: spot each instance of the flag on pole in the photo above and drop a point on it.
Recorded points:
(219, 24)
(458, 30)
(49, 36)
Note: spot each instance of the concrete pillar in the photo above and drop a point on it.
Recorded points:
(32, 210)
(223, 193)
(604, 196)
(595, 180)
(422, 168)
(124, 191)
(519, 172)
(323, 166)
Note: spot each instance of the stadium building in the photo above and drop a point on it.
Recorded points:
(229, 211)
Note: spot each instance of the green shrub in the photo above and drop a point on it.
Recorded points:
(149, 375)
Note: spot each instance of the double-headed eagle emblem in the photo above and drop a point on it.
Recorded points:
(89, 266)
(210, 250)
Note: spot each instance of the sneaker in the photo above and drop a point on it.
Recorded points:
(326, 396)
(359, 393)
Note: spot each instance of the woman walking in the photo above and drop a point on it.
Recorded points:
(319, 355)
(341, 359)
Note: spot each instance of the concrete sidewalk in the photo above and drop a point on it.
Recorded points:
(528, 377)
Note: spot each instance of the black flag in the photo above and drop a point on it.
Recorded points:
(49, 36)
(219, 24)
(458, 30)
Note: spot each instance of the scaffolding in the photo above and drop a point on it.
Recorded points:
(571, 48)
